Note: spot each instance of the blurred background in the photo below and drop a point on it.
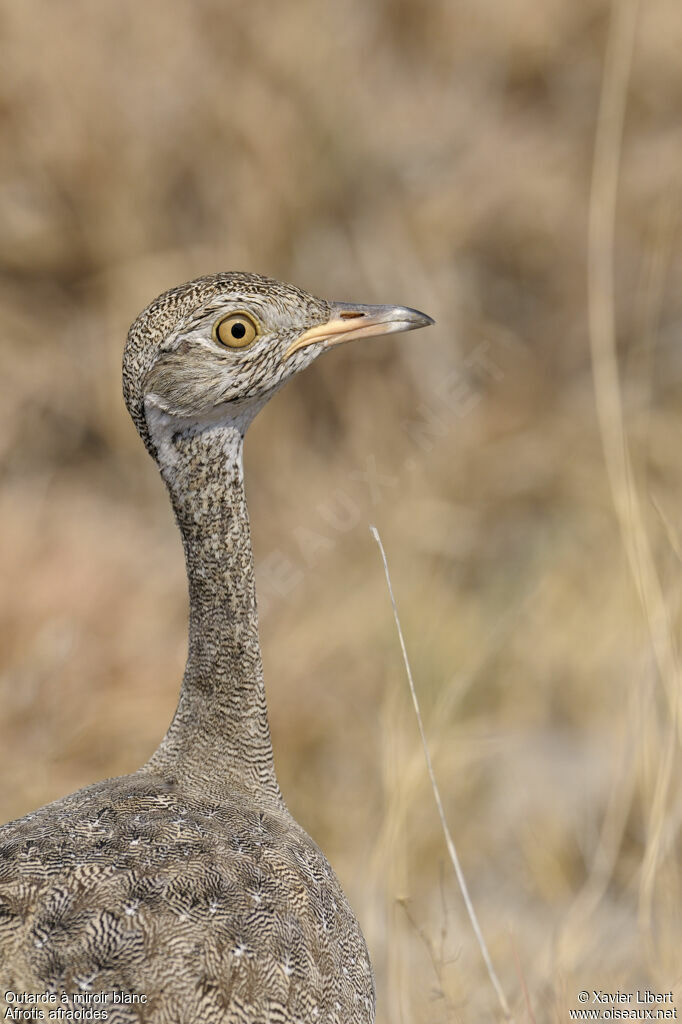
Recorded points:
(438, 156)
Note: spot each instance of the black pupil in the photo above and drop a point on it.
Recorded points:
(238, 330)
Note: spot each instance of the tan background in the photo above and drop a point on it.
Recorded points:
(438, 155)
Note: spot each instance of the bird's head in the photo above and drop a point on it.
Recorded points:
(214, 350)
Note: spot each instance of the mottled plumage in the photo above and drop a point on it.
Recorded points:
(187, 886)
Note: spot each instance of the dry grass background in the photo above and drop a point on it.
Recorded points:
(441, 156)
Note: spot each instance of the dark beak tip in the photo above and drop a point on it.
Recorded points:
(419, 319)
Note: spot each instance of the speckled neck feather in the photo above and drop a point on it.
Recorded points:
(220, 731)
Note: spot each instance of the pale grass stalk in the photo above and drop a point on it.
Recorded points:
(452, 693)
(524, 986)
(602, 330)
(437, 959)
(504, 1005)
(585, 904)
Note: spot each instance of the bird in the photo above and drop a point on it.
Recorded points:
(186, 892)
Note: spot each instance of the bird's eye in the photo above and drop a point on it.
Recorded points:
(236, 330)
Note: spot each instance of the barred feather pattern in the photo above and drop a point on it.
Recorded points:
(214, 912)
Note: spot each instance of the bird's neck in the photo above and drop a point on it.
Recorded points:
(219, 739)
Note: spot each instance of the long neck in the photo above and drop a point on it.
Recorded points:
(219, 738)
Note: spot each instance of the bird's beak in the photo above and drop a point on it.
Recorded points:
(349, 321)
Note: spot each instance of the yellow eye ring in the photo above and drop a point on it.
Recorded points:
(236, 330)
